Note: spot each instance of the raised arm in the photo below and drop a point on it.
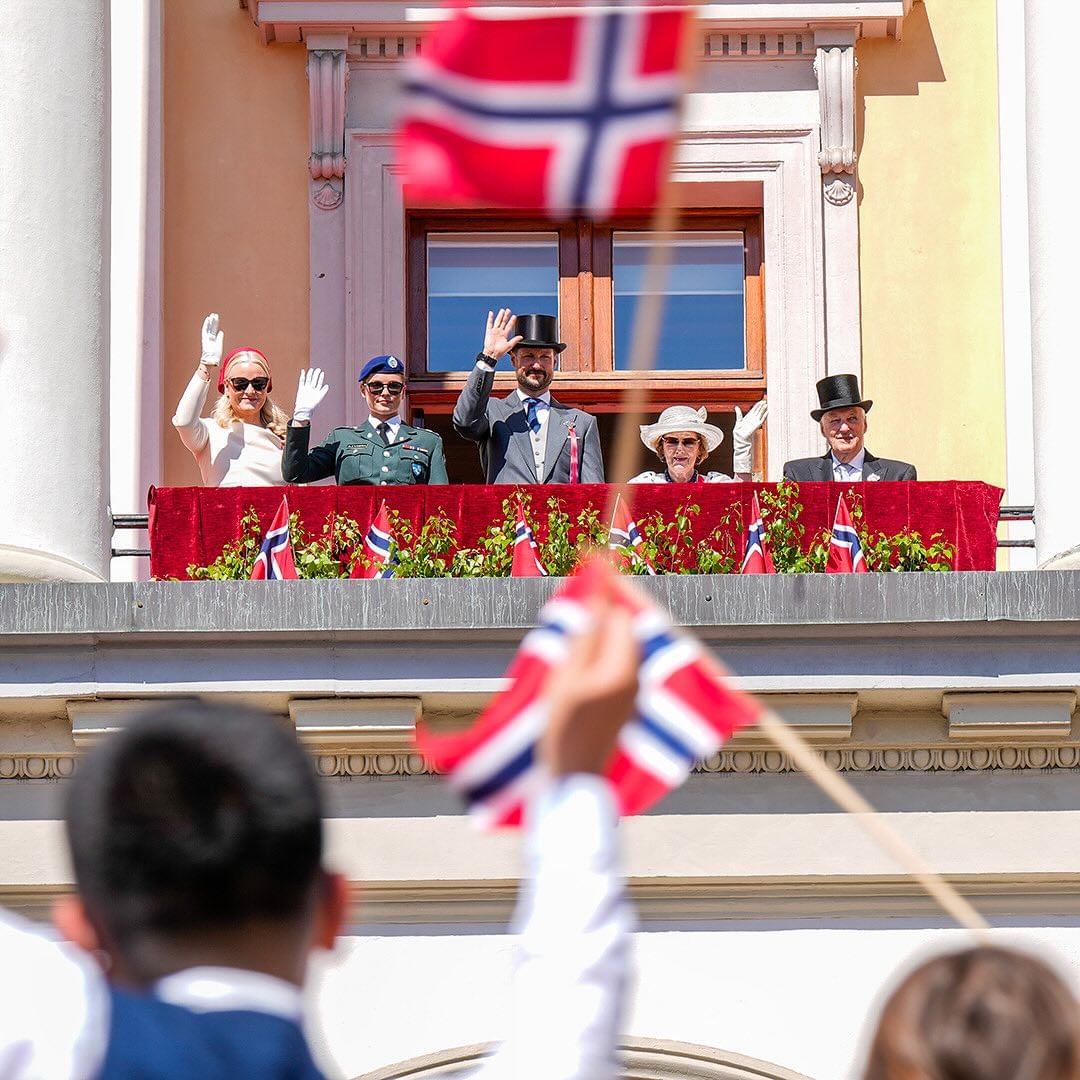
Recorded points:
(298, 464)
(742, 438)
(470, 412)
(572, 916)
(186, 419)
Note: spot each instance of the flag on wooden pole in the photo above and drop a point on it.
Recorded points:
(685, 709)
(561, 113)
(526, 551)
(845, 551)
(275, 559)
(757, 559)
(379, 557)
(623, 533)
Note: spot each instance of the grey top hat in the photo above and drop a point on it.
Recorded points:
(839, 392)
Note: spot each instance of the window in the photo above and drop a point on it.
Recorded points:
(461, 265)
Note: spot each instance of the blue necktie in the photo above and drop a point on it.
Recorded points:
(531, 407)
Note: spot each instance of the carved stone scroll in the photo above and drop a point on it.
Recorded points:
(328, 79)
(835, 68)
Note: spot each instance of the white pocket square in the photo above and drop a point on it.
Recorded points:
(873, 476)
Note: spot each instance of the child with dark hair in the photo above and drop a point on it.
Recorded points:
(196, 838)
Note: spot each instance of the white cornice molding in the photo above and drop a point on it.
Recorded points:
(294, 20)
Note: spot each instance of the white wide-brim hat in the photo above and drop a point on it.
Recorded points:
(682, 418)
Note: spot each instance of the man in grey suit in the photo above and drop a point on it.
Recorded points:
(842, 415)
(527, 437)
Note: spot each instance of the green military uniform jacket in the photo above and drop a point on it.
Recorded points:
(358, 456)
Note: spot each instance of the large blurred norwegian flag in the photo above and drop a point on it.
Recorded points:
(557, 113)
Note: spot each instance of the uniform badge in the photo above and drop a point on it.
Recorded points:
(417, 469)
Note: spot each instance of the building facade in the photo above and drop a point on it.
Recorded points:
(872, 187)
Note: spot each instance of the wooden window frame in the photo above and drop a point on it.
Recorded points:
(586, 315)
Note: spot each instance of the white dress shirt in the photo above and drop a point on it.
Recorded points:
(850, 471)
(572, 918)
(394, 422)
(538, 438)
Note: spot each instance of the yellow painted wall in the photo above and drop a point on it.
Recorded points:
(236, 195)
(930, 242)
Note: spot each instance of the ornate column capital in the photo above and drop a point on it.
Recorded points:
(328, 80)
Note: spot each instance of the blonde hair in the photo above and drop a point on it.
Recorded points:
(271, 416)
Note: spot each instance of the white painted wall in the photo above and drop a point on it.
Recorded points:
(796, 996)
(54, 291)
(1015, 294)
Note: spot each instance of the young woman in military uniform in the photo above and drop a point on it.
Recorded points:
(384, 450)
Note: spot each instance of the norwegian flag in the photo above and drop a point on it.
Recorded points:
(379, 548)
(685, 710)
(526, 551)
(275, 559)
(583, 126)
(845, 553)
(757, 559)
(624, 533)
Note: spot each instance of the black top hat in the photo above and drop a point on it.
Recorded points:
(539, 331)
(839, 392)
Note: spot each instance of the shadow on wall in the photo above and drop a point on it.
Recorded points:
(890, 68)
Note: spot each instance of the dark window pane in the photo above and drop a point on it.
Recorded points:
(704, 324)
(472, 274)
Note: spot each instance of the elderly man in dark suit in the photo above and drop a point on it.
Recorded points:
(842, 415)
(527, 437)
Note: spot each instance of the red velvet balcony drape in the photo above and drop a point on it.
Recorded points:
(191, 525)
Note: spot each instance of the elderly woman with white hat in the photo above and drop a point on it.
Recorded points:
(682, 440)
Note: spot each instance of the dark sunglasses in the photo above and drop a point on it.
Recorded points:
(240, 385)
(392, 388)
(673, 442)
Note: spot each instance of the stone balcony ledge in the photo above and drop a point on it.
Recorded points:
(716, 606)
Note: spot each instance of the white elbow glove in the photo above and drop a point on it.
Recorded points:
(213, 341)
(309, 393)
(743, 436)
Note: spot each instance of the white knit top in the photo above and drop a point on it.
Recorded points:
(241, 455)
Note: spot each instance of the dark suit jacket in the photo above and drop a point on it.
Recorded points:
(499, 427)
(874, 468)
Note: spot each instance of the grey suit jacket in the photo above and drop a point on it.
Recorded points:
(874, 468)
(499, 428)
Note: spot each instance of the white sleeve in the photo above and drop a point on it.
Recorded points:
(54, 1007)
(574, 923)
(187, 417)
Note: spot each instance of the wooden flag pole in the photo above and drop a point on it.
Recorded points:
(847, 798)
(650, 312)
(647, 325)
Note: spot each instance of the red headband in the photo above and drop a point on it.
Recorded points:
(232, 356)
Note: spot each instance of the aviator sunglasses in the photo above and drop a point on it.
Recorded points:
(259, 383)
(392, 388)
(671, 441)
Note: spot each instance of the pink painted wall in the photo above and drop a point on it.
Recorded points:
(236, 196)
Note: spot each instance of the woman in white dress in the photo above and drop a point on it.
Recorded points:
(682, 440)
(240, 443)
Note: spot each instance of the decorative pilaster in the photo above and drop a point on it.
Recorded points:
(328, 80)
(835, 67)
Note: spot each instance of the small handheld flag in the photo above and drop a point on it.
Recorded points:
(757, 559)
(526, 551)
(624, 533)
(845, 552)
(379, 549)
(584, 126)
(275, 559)
(684, 711)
